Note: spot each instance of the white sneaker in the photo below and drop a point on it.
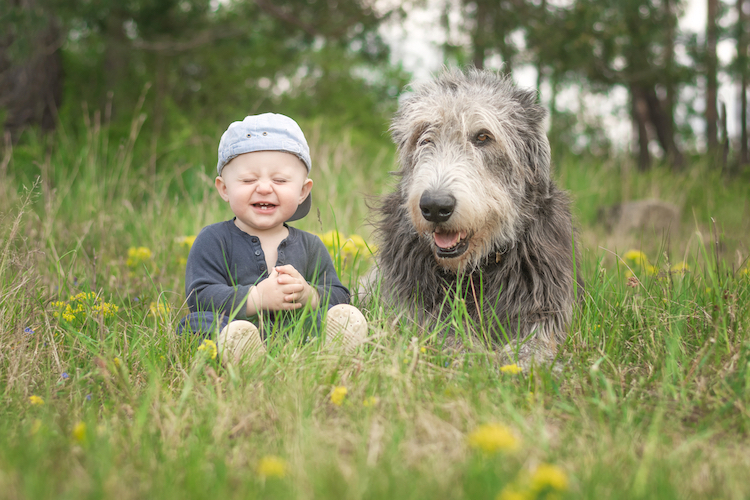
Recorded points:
(345, 325)
(239, 339)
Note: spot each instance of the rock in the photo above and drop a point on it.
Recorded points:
(639, 215)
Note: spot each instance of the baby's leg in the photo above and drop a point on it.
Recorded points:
(346, 325)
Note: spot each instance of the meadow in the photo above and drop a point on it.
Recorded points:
(648, 398)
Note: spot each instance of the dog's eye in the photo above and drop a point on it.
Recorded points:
(425, 142)
(482, 138)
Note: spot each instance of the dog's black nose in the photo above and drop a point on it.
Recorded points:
(437, 206)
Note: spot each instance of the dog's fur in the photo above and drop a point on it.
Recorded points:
(476, 138)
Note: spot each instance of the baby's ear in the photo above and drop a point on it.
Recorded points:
(306, 188)
(221, 187)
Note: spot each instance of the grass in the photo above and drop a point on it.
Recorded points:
(649, 398)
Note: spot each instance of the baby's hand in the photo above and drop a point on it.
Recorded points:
(275, 293)
(301, 291)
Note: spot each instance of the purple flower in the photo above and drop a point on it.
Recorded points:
(28, 330)
(65, 375)
(88, 397)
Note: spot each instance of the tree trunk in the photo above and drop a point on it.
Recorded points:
(675, 156)
(743, 46)
(479, 36)
(711, 76)
(31, 88)
(664, 132)
(640, 120)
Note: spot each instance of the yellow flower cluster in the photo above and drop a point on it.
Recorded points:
(513, 369)
(348, 246)
(138, 256)
(186, 241)
(338, 394)
(271, 466)
(636, 258)
(209, 348)
(491, 438)
(35, 400)
(79, 432)
(544, 482)
(159, 309)
(77, 306)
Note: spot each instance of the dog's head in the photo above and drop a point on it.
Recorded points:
(474, 161)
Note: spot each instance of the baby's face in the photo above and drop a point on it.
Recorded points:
(263, 189)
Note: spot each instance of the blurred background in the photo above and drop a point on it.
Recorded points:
(658, 79)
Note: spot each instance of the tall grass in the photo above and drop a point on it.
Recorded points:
(648, 398)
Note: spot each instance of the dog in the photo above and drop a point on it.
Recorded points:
(476, 217)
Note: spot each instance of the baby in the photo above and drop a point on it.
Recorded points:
(255, 268)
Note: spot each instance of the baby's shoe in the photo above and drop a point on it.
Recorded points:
(239, 339)
(345, 325)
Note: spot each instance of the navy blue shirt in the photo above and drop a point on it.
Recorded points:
(225, 262)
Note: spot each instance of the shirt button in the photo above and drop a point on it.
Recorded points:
(262, 268)
(257, 252)
(255, 240)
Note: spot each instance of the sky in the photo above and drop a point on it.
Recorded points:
(416, 44)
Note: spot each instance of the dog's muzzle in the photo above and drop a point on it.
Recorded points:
(438, 207)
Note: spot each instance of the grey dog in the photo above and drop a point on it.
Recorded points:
(475, 216)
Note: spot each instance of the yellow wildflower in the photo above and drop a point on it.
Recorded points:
(680, 267)
(331, 238)
(338, 394)
(423, 349)
(746, 271)
(371, 401)
(105, 309)
(510, 493)
(513, 369)
(549, 477)
(209, 347)
(491, 438)
(637, 257)
(159, 308)
(137, 256)
(36, 400)
(271, 466)
(118, 363)
(186, 241)
(651, 270)
(79, 432)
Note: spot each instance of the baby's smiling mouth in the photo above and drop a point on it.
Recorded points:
(264, 206)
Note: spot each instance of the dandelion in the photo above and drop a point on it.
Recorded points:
(28, 330)
(159, 309)
(138, 256)
(423, 349)
(338, 394)
(491, 438)
(36, 400)
(636, 257)
(511, 493)
(513, 369)
(371, 401)
(209, 348)
(186, 241)
(79, 432)
(680, 267)
(271, 466)
(549, 477)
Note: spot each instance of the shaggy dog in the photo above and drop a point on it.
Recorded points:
(475, 218)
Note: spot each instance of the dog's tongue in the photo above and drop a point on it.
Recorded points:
(446, 240)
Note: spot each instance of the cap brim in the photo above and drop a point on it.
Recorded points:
(302, 210)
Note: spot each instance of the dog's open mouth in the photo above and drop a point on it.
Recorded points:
(450, 243)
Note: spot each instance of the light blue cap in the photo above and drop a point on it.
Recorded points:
(266, 132)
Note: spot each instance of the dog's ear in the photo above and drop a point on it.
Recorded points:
(536, 145)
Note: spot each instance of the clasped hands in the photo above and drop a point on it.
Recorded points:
(285, 289)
